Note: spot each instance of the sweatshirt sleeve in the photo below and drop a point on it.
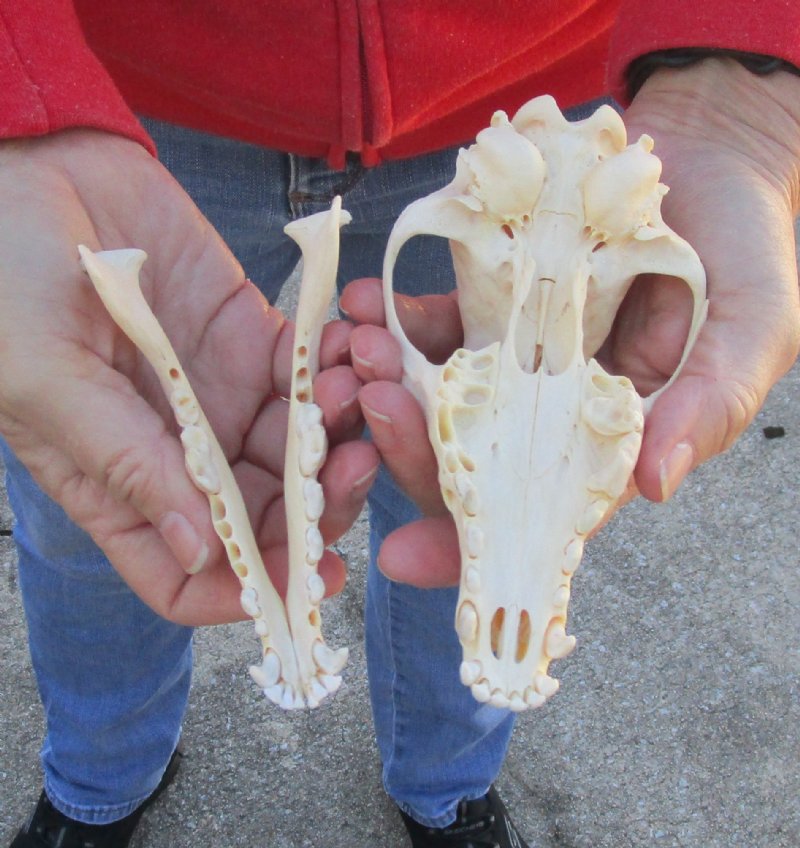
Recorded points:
(771, 27)
(50, 79)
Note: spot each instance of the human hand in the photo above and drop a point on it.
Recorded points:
(730, 145)
(84, 412)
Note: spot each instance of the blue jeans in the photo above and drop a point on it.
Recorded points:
(113, 676)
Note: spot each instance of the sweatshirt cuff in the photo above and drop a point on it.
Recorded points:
(49, 78)
(769, 27)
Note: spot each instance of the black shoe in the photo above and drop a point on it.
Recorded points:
(483, 823)
(48, 828)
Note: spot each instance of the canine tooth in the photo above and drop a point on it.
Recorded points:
(557, 644)
(328, 660)
(268, 673)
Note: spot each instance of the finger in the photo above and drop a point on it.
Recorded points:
(334, 347)
(400, 434)
(135, 466)
(431, 322)
(376, 354)
(346, 478)
(424, 554)
(336, 393)
(362, 302)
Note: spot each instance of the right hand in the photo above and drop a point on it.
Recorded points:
(84, 412)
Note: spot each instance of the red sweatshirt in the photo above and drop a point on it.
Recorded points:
(386, 78)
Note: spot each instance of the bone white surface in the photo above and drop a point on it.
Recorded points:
(676, 726)
(549, 222)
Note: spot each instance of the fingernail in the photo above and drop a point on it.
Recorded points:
(184, 542)
(360, 360)
(378, 416)
(674, 469)
(365, 481)
(349, 402)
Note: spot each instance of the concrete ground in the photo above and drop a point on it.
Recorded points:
(676, 724)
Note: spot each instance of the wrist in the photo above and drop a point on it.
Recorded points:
(718, 102)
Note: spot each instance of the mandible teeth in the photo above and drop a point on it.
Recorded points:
(315, 546)
(185, 407)
(249, 601)
(317, 692)
(328, 660)
(268, 674)
(316, 588)
(475, 540)
(289, 699)
(331, 682)
(275, 693)
(313, 498)
(199, 464)
(308, 415)
(261, 627)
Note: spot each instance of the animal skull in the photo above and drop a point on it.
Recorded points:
(549, 222)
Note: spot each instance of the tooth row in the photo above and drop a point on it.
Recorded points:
(592, 516)
(313, 445)
(199, 463)
(535, 695)
(268, 677)
(184, 406)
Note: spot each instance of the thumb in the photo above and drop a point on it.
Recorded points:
(695, 419)
(120, 464)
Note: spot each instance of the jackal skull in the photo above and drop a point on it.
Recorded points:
(549, 222)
